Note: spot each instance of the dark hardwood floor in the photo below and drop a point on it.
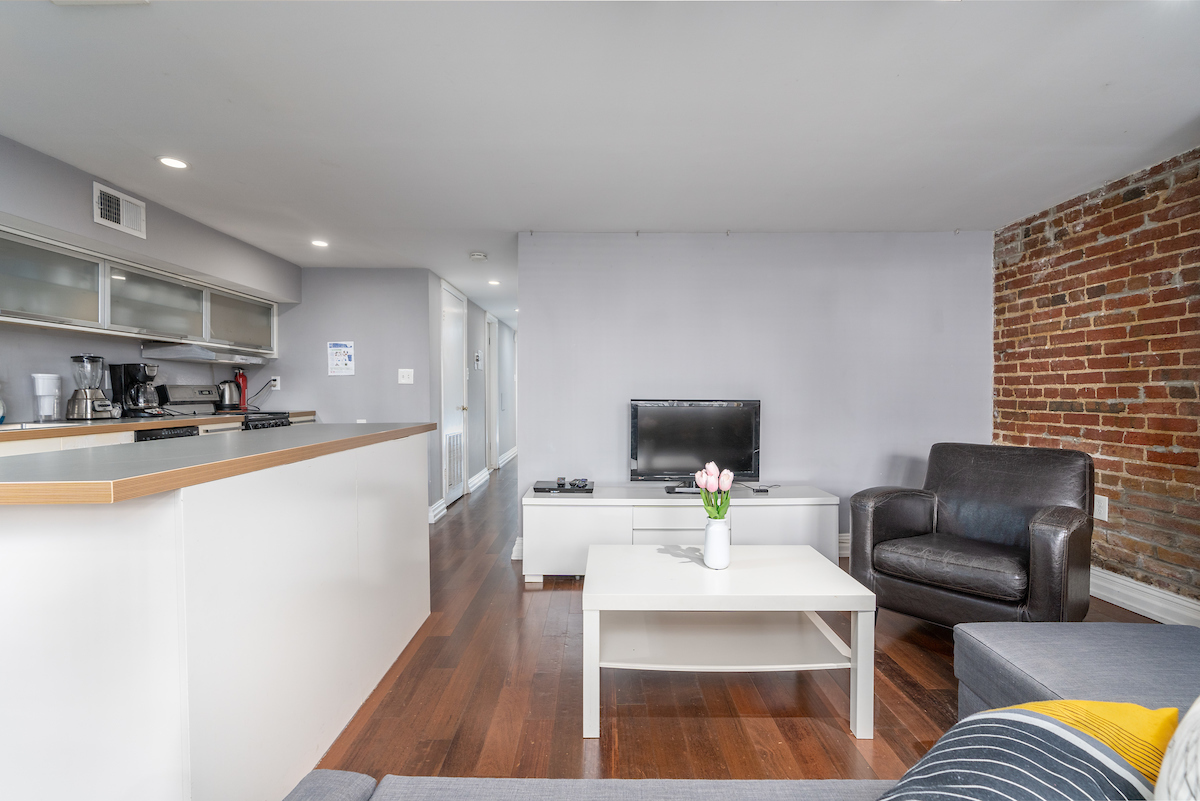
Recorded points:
(491, 686)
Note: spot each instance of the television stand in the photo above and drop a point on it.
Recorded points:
(558, 529)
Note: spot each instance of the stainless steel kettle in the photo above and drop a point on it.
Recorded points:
(229, 396)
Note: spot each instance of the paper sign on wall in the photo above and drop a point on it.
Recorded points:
(341, 358)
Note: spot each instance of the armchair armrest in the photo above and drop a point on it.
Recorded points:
(886, 513)
(1060, 564)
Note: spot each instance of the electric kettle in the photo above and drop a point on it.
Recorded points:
(229, 396)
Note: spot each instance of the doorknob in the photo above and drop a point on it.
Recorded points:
(462, 408)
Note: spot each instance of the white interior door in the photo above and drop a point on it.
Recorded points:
(491, 379)
(454, 393)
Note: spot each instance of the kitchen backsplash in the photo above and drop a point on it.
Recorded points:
(25, 350)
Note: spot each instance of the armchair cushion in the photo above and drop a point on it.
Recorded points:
(957, 563)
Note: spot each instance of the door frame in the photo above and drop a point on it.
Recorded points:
(448, 287)
(491, 378)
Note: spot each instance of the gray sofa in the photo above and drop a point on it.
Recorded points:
(1002, 664)
(336, 785)
(997, 664)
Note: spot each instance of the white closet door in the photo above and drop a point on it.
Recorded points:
(454, 393)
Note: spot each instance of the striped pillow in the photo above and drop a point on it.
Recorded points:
(1070, 750)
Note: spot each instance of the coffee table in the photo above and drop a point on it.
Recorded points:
(657, 607)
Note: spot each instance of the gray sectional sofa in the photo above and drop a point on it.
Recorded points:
(334, 785)
(997, 664)
(1002, 664)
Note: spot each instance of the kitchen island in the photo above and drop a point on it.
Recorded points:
(200, 617)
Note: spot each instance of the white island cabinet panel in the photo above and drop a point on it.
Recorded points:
(90, 686)
(272, 597)
(207, 643)
(304, 600)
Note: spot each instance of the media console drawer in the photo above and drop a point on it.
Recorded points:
(668, 536)
(669, 517)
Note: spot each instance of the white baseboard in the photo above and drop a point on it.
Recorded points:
(478, 480)
(518, 549)
(437, 511)
(843, 544)
(507, 456)
(1154, 603)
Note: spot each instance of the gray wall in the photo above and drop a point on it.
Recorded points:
(476, 390)
(506, 355)
(42, 195)
(863, 348)
(385, 312)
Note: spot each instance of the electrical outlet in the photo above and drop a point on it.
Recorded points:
(404, 375)
(275, 383)
(360, 421)
(1101, 508)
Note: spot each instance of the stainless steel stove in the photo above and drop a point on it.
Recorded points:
(256, 420)
(186, 399)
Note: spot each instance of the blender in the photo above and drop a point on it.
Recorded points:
(88, 401)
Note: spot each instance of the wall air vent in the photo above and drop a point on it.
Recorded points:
(118, 210)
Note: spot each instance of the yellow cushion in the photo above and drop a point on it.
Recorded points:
(1138, 734)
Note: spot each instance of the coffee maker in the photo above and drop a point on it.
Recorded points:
(133, 388)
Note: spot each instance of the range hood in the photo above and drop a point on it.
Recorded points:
(204, 354)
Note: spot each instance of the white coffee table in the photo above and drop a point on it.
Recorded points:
(657, 607)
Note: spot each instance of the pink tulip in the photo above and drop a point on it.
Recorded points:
(706, 482)
(726, 480)
(701, 478)
(711, 469)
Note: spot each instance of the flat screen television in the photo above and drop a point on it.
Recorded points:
(671, 439)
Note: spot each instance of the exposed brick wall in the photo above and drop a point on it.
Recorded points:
(1097, 348)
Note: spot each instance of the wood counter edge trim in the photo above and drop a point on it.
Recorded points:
(123, 489)
(134, 424)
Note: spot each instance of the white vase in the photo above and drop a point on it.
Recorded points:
(716, 544)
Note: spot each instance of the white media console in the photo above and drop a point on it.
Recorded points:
(559, 527)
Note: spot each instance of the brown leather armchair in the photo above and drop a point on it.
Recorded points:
(999, 533)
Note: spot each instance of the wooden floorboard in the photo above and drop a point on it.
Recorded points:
(491, 685)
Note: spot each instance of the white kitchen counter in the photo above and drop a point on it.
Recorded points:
(199, 618)
(120, 472)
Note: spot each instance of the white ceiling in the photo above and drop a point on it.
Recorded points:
(409, 134)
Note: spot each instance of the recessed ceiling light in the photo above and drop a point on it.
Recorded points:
(516, 310)
(494, 283)
(172, 162)
(478, 255)
(320, 243)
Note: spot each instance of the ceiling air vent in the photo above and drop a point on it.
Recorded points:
(118, 210)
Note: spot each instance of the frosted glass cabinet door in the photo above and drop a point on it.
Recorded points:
(44, 283)
(240, 321)
(152, 305)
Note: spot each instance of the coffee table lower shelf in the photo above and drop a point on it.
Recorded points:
(720, 642)
(727, 642)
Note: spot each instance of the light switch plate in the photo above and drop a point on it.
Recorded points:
(404, 375)
(1101, 508)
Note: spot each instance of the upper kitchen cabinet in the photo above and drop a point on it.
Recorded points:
(240, 322)
(45, 283)
(148, 304)
(57, 285)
